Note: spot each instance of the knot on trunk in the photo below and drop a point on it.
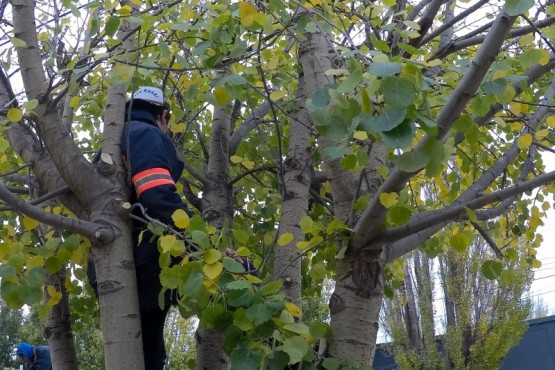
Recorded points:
(368, 273)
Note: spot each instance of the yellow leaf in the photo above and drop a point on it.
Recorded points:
(74, 102)
(435, 62)
(212, 256)
(210, 286)
(221, 96)
(181, 219)
(550, 121)
(526, 39)
(178, 128)
(536, 264)
(293, 309)
(541, 134)
(35, 261)
(243, 252)
(247, 12)
(248, 164)
(388, 200)
(303, 245)
(253, 279)
(361, 135)
(524, 141)
(213, 270)
(546, 206)
(236, 159)
(125, 10)
(277, 95)
(14, 115)
(273, 62)
(29, 223)
(285, 239)
(167, 242)
(54, 295)
(544, 58)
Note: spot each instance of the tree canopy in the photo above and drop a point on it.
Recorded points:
(309, 128)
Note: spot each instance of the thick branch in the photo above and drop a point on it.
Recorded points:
(458, 212)
(452, 21)
(464, 43)
(369, 223)
(90, 230)
(251, 122)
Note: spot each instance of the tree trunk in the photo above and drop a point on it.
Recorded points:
(101, 195)
(411, 314)
(217, 211)
(297, 177)
(57, 326)
(355, 311)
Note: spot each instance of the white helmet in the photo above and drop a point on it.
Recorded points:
(152, 95)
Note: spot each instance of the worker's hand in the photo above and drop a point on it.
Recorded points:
(228, 252)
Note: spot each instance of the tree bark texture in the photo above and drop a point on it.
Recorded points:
(57, 326)
(297, 177)
(217, 211)
(101, 196)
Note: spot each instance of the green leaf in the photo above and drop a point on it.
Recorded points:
(398, 92)
(349, 162)
(194, 287)
(271, 288)
(297, 328)
(240, 298)
(7, 271)
(436, 151)
(318, 329)
(460, 242)
(112, 25)
(278, 361)
(495, 87)
(216, 316)
(330, 364)
(507, 277)
(512, 254)
(349, 84)
(18, 43)
(201, 239)
(399, 215)
(384, 69)
(171, 277)
(242, 236)
(401, 136)
(296, 347)
(412, 161)
(517, 7)
(386, 121)
(492, 269)
(245, 359)
(258, 313)
(318, 271)
(238, 285)
(233, 266)
(306, 224)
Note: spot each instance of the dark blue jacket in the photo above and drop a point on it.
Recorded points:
(154, 165)
(43, 358)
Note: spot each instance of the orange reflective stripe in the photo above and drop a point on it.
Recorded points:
(151, 178)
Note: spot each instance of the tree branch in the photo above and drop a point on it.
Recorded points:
(457, 212)
(90, 230)
(452, 21)
(253, 120)
(464, 43)
(369, 223)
